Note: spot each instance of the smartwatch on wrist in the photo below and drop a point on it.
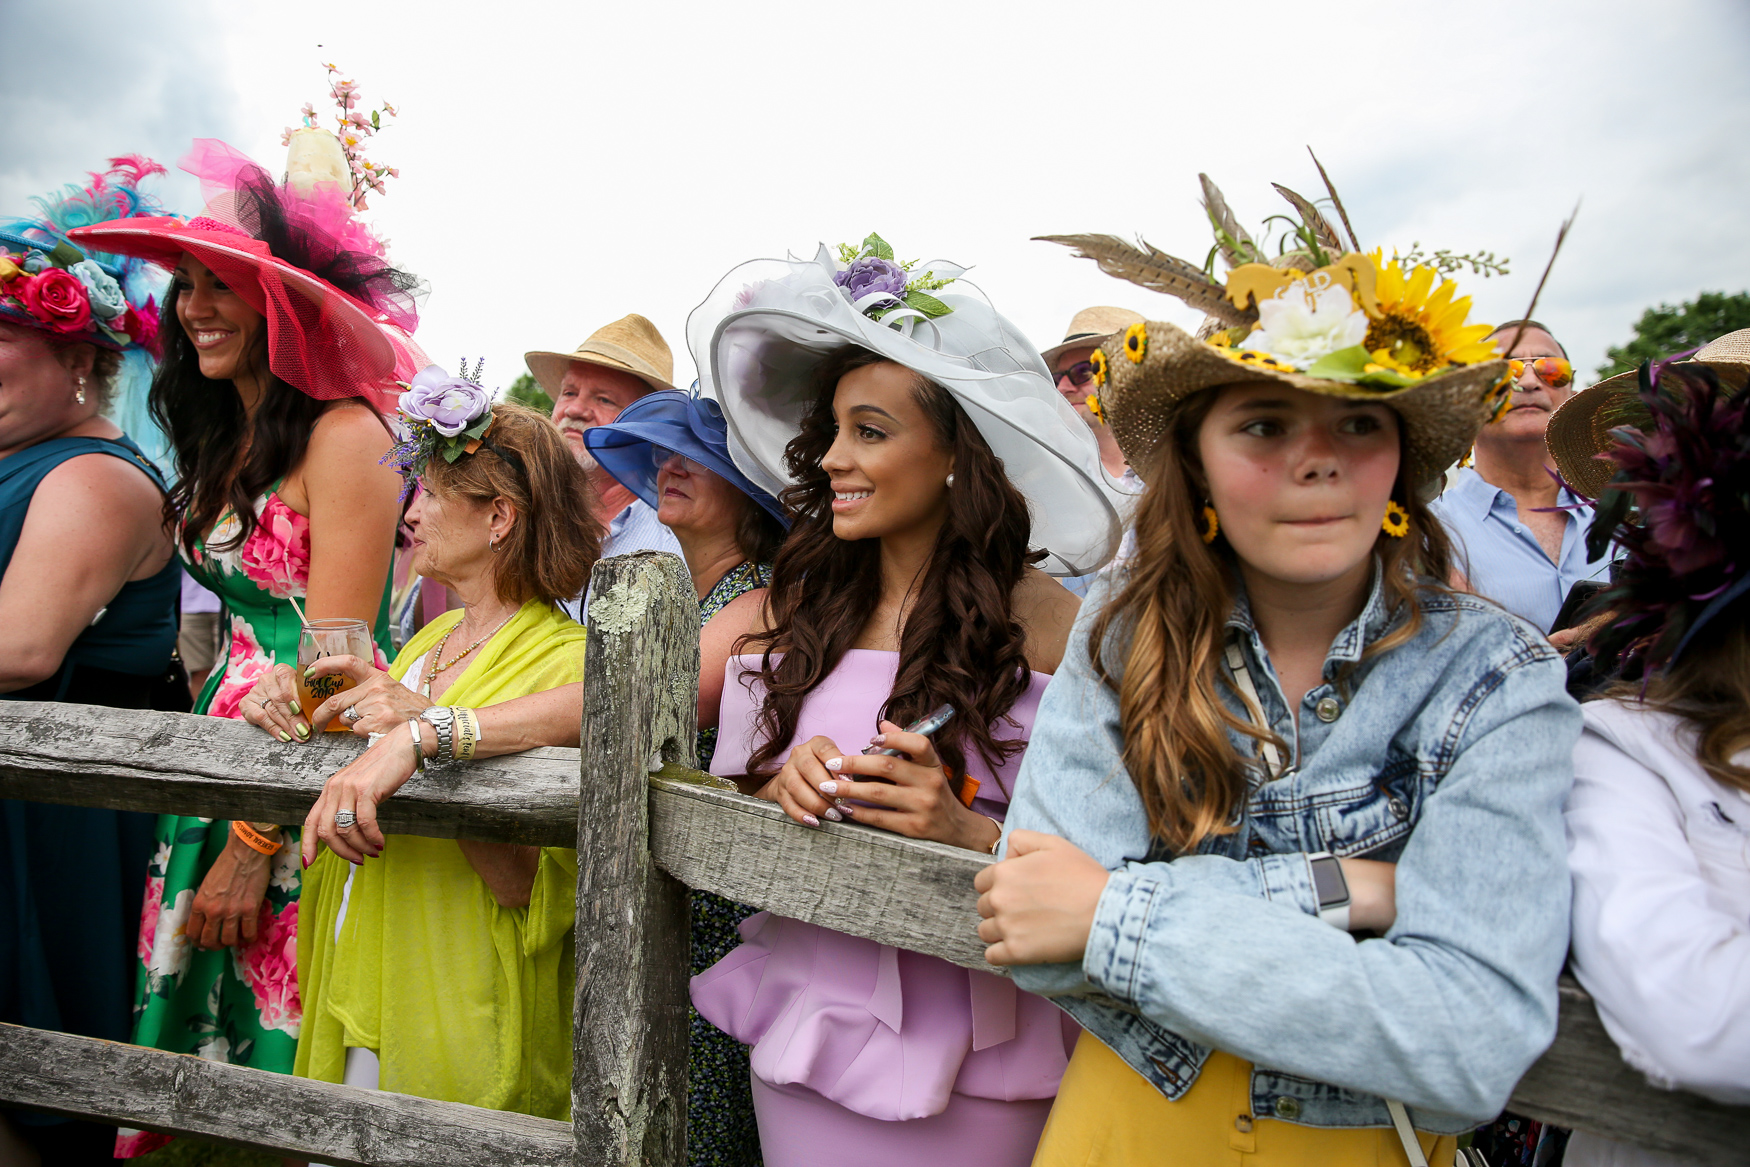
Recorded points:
(1331, 889)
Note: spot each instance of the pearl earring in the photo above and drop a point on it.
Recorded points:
(950, 480)
(79, 394)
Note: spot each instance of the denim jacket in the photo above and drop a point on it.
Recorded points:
(1449, 755)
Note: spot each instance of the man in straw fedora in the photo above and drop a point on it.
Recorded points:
(1511, 542)
(618, 364)
(1070, 365)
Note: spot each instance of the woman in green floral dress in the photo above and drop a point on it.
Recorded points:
(274, 413)
(671, 450)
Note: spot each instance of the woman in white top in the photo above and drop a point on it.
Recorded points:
(1659, 817)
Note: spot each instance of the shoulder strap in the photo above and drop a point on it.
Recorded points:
(1248, 691)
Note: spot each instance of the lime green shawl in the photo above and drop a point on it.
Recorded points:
(462, 999)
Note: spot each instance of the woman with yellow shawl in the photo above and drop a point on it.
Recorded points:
(437, 967)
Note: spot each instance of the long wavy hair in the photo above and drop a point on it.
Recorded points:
(961, 645)
(1160, 643)
(1708, 687)
(224, 459)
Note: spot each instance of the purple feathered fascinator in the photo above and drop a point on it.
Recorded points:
(1679, 507)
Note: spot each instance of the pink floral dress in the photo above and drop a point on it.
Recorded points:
(235, 1005)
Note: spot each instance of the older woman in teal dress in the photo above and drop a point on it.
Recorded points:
(671, 450)
(274, 414)
(88, 601)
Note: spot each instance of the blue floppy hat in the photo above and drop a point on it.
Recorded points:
(690, 426)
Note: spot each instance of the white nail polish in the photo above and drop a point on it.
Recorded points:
(834, 815)
(829, 787)
(834, 763)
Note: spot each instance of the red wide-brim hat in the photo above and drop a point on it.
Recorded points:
(319, 339)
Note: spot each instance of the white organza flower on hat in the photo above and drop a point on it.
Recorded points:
(1302, 323)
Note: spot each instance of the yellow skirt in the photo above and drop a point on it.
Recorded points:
(1107, 1115)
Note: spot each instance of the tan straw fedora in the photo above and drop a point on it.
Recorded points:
(1150, 371)
(1091, 328)
(1580, 430)
(630, 344)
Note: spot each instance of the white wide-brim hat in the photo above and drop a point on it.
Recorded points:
(759, 336)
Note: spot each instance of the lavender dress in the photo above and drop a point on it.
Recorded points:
(873, 1052)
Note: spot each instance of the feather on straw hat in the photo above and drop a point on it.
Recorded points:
(1318, 316)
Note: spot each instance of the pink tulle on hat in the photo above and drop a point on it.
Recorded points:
(339, 316)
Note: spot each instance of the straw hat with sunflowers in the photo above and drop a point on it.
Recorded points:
(1319, 316)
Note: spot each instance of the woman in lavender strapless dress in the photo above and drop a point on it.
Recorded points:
(906, 583)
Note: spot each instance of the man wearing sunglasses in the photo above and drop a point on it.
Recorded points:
(1074, 374)
(1511, 544)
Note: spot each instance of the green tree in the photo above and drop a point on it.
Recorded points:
(525, 390)
(1665, 330)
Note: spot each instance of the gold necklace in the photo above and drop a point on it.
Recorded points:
(438, 652)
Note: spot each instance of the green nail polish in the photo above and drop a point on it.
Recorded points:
(303, 731)
(283, 735)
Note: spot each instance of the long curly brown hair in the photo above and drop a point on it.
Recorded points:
(1159, 642)
(961, 645)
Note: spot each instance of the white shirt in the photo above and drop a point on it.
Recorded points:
(634, 529)
(1660, 855)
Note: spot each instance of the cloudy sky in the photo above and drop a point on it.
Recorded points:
(564, 164)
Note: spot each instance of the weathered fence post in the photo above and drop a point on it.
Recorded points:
(629, 1039)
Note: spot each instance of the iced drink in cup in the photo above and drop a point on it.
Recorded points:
(320, 638)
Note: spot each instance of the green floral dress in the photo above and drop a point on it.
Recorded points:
(236, 1005)
(721, 1131)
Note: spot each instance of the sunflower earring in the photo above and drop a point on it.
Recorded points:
(1211, 525)
(1397, 520)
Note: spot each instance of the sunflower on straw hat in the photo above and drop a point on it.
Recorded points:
(1316, 315)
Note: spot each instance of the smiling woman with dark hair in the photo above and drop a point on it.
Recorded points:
(928, 465)
(274, 370)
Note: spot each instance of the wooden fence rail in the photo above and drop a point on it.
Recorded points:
(647, 827)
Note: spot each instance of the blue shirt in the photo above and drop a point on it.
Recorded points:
(1500, 556)
(634, 529)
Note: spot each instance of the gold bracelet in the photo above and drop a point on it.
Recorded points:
(467, 733)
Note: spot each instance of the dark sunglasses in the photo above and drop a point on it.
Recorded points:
(1080, 374)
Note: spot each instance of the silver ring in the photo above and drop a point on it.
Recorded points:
(351, 715)
(345, 820)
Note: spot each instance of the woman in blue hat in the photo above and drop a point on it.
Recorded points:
(672, 451)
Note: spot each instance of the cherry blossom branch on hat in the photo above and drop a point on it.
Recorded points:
(353, 128)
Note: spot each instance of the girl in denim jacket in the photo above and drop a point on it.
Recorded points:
(1287, 839)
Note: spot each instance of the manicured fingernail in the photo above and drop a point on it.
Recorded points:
(283, 735)
(306, 862)
(811, 820)
(829, 787)
(292, 708)
(302, 730)
(879, 739)
(846, 808)
(834, 815)
(834, 763)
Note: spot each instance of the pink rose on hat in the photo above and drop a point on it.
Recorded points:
(55, 297)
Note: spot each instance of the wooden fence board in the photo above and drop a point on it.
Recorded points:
(136, 759)
(182, 1094)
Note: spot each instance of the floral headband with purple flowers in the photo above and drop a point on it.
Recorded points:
(445, 416)
(877, 284)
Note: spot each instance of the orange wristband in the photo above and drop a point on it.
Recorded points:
(254, 838)
(968, 787)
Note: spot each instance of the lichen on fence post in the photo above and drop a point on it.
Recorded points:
(641, 675)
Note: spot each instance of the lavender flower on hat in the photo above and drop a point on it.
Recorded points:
(449, 403)
(870, 275)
